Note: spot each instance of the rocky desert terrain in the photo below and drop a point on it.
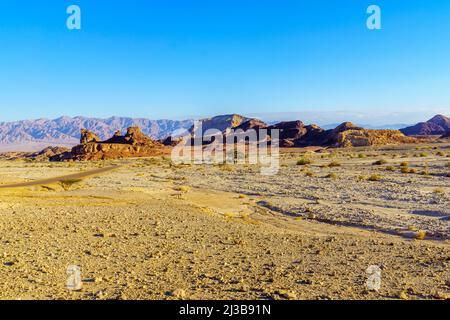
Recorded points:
(147, 229)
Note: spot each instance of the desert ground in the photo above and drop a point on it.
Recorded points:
(148, 229)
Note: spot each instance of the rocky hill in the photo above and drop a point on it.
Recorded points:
(297, 134)
(221, 123)
(32, 135)
(438, 125)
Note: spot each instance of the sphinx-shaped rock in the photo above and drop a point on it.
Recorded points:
(88, 136)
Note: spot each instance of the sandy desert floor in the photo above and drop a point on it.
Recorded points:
(150, 230)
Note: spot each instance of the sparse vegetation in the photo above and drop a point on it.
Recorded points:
(183, 189)
(420, 235)
(374, 177)
(309, 173)
(332, 176)
(407, 170)
(380, 162)
(304, 161)
(334, 164)
(67, 184)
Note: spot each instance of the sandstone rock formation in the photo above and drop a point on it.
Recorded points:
(364, 138)
(221, 123)
(133, 144)
(296, 134)
(88, 136)
(48, 153)
(255, 124)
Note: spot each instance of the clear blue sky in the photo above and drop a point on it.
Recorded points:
(176, 59)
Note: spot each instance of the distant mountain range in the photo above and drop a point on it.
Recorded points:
(34, 135)
(438, 125)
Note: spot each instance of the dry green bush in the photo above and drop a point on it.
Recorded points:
(304, 162)
(67, 184)
(332, 176)
(374, 177)
(380, 162)
(334, 164)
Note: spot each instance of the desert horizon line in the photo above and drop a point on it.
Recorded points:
(270, 117)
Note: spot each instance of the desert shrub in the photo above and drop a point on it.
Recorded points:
(380, 162)
(183, 189)
(440, 154)
(374, 177)
(423, 154)
(304, 162)
(226, 167)
(403, 295)
(407, 170)
(66, 184)
(390, 168)
(420, 235)
(309, 173)
(362, 156)
(438, 191)
(404, 164)
(332, 176)
(334, 164)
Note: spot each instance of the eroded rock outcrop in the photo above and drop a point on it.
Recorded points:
(296, 134)
(88, 136)
(133, 144)
(365, 138)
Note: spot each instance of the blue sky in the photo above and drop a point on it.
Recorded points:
(178, 59)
